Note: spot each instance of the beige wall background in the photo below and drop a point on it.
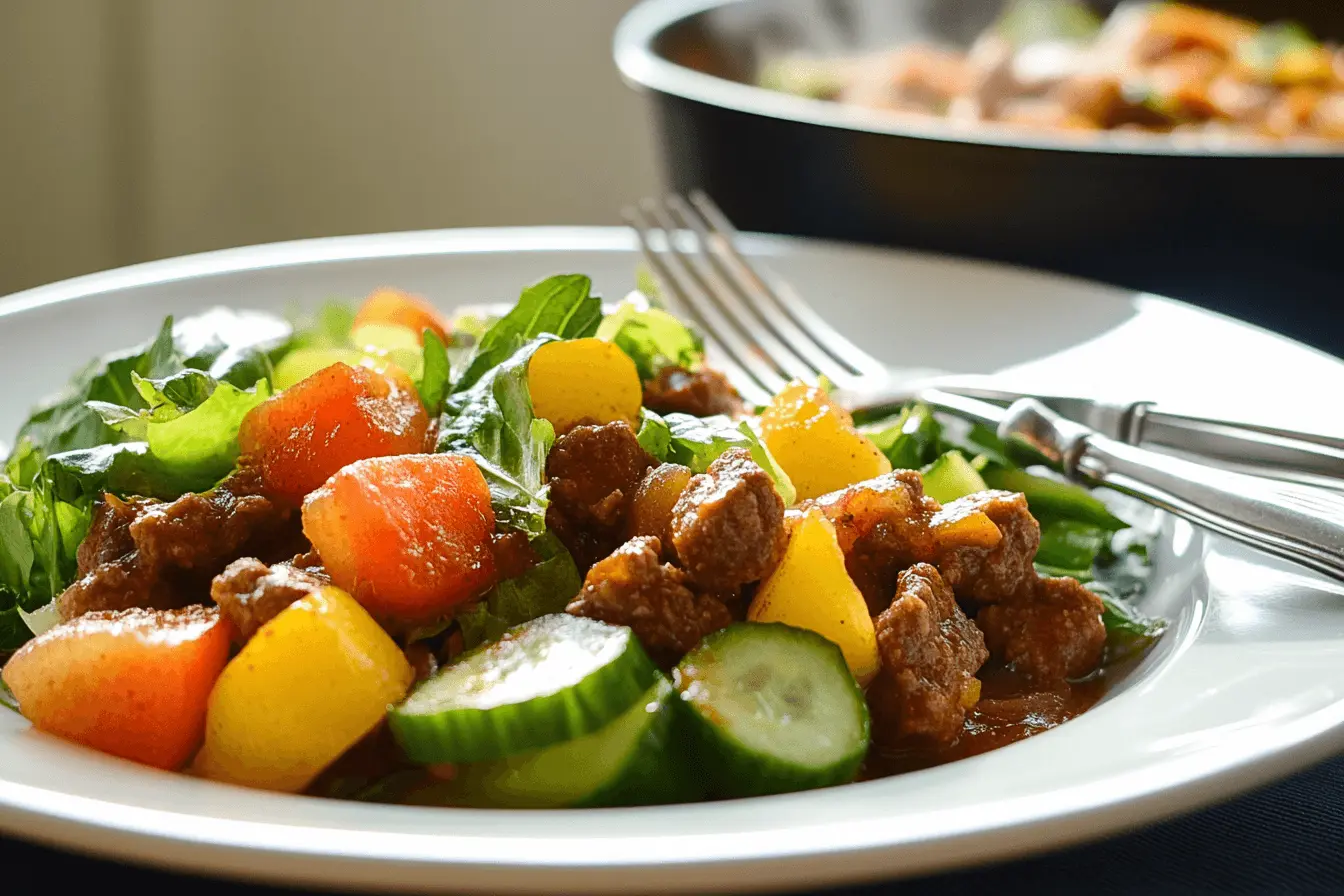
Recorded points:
(139, 129)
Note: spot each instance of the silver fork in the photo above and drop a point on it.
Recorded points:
(764, 334)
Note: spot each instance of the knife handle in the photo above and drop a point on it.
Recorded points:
(1240, 444)
(1297, 522)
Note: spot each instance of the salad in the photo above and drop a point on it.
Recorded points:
(546, 558)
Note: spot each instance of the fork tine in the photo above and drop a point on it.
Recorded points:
(740, 346)
(780, 336)
(779, 306)
(744, 314)
(752, 388)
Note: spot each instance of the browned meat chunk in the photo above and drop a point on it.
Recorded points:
(930, 654)
(593, 473)
(990, 575)
(1051, 634)
(109, 536)
(702, 393)
(651, 512)
(883, 526)
(728, 525)
(163, 554)
(251, 594)
(632, 587)
(200, 531)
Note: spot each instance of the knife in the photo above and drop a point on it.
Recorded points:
(1290, 520)
(1307, 458)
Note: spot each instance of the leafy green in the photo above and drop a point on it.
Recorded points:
(1071, 544)
(1128, 631)
(562, 306)
(158, 420)
(545, 588)
(911, 440)
(7, 698)
(493, 423)
(235, 347)
(436, 375)
(653, 434)
(696, 442)
(40, 532)
(653, 339)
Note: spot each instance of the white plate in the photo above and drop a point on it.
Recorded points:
(1249, 684)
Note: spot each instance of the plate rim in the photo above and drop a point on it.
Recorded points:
(21, 812)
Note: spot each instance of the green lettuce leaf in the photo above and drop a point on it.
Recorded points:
(562, 306)
(653, 339)
(696, 442)
(653, 435)
(235, 347)
(911, 440)
(436, 374)
(546, 588)
(492, 422)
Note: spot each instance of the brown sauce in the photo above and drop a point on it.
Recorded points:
(1010, 709)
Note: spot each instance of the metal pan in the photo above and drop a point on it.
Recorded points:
(1253, 231)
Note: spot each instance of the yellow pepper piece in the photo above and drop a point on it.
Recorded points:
(956, 526)
(584, 379)
(816, 443)
(811, 589)
(970, 695)
(306, 688)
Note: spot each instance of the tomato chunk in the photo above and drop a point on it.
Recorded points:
(133, 683)
(393, 306)
(408, 536)
(340, 414)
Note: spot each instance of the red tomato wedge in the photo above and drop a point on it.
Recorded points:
(133, 683)
(408, 536)
(340, 414)
(392, 306)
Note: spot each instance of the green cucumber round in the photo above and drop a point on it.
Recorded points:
(775, 710)
(546, 681)
(638, 759)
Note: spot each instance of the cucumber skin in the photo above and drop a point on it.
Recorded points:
(732, 772)
(661, 771)
(554, 718)
(950, 477)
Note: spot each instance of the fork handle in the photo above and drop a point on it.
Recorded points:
(1296, 522)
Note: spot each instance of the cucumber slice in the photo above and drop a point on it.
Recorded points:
(635, 760)
(775, 708)
(302, 363)
(400, 345)
(549, 680)
(950, 477)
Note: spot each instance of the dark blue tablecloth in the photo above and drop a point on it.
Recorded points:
(1286, 839)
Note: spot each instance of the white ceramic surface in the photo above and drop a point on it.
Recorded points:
(1248, 685)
